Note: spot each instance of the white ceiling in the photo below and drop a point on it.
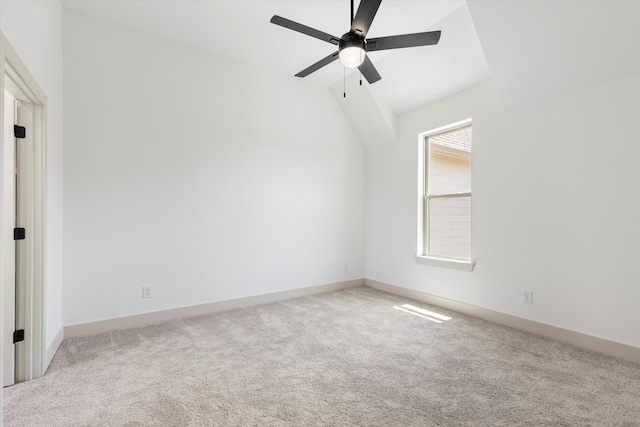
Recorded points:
(240, 29)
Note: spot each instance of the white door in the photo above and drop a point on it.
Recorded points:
(7, 246)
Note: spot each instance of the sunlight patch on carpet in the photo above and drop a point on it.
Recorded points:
(421, 312)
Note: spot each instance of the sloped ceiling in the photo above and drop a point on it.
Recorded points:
(530, 49)
(538, 49)
(241, 30)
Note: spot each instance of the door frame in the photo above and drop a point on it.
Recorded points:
(17, 80)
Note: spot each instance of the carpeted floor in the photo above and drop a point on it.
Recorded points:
(355, 357)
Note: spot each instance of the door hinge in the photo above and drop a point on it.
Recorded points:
(19, 234)
(18, 335)
(19, 131)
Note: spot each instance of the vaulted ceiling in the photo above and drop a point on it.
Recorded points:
(241, 30)
(530, 49)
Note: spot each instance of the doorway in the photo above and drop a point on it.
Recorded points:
(18, 131)
(22, 172)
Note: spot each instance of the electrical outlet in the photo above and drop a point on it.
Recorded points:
(527, 297)
(146, 292)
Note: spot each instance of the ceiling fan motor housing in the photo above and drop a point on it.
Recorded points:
(352, 40)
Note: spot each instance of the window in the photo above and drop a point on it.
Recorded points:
(445, 196)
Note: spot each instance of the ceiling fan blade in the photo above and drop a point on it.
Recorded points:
(315, 67)
(364, 16)
(369, 71)
(292, 25)
(405, 40)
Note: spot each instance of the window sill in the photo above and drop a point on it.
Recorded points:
(446, 262)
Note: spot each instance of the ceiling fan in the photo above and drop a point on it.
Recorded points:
(353, 46)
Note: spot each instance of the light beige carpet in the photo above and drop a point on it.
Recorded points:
(344, 358)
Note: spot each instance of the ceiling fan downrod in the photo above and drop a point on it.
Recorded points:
(352, 15)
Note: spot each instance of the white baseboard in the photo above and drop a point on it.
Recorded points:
(144, 319)
(612, 348)
(52, 349)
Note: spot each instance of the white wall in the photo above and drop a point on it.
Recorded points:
(200, 176)
(555, 208)
(34, 29)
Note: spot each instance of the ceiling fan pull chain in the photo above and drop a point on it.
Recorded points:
(344, 82)
(360, 77)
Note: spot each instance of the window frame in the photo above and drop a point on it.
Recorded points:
(424, 152)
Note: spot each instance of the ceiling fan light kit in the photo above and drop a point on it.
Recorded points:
(351, 51)
(353, 46)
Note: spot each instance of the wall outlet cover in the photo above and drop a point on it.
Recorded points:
(146, 292)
